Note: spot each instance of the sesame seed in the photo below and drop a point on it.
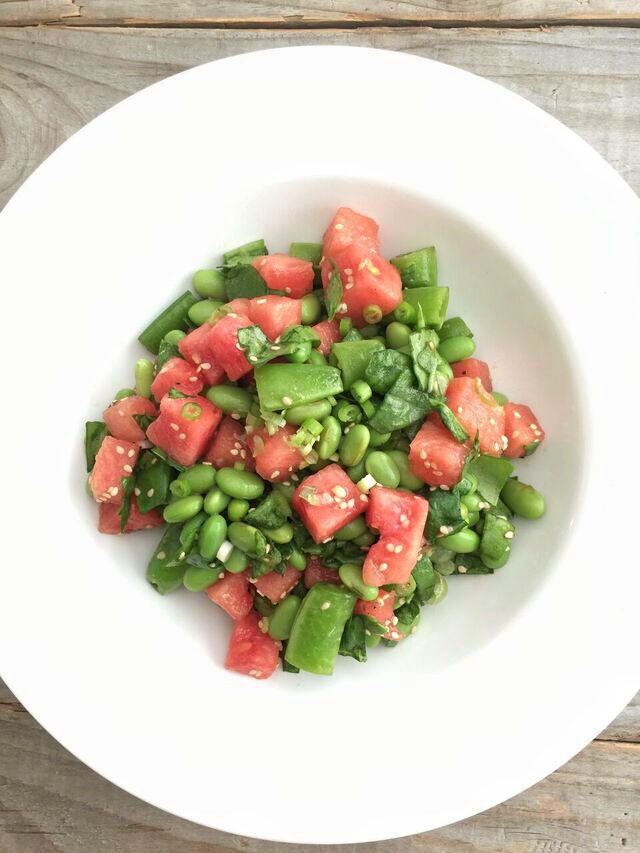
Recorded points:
(509, 534)
(328, 539)
(231, 314)
(182, 436)
(243, 454)
(442, 485)
(444, 529)
(236, 416)
(253, 672)
(253, 358)
(239, 347)
(395, 635)
(261, 301)
(534, 426)
(150, 493)
(275, 474)
(517, 415)
(383, 567)
(113, 491)
(344, 505)
(462, 569)
(414, 629)
(196, 358)
(437, 473)
(131, 454)
(325, 605)
(120, 449)
(362, 265)
(515, 433)
(348, 286)
(136, 491)
(364, 499)
(423, 454)
(182, 555)
(160, 555)
(496, 446)
(398, 549)
(174, 427)
(193, 379)
(339, 226)
(391, 547)
(394, 620)
(287, 401)
(351, 503)
(234, 452)
(459, 410)
(367, 632)
(405, 523)
(128, 469)
(340, 491)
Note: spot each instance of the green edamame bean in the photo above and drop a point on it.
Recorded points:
(351, 577)
(240, 484)
(311, 309)
(377, 439)
(202, 311)
(457, 348)
(198, 578)
(237, 509)
(298, 414)
(180, 488)
(354, 445)
(124, 392)
(439, 590)
(297, 559)
(465, 541)
(212, 534)
(447, 568)
(473, 518)
(174, 337)
(370, 331)
(210, 284)
(236, 562)
(439, 555)
(523, 499)
(230, 399)
(408, 479)
(215, 501)
(397, 335)
(316, 357)
(280, 535)
(473, 502)
(281, 620)
(183, 509)
(366, 539)
(352, 530)
(357, 472)
(200, 478)
(329, 437)
(244, 536)
(501, 399)
(405, 590)
(144, 376)
(381, 466)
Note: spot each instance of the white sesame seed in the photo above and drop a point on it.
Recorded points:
(394, 620)
(193, 379)
(113, 491)
(364, 499)
(414, 629)
(325, 605)
(119, 449)
(395, 635)
(128, 469)
(136, 492)
(261, 301)
(515, 433)
(492, 421)
(442, 485)
(150, 493)
(367, 632)
(383, 567)
(517, 415)
(174, 427)
(391, 547)
(339, 226)
(340, 491)
(253, 672)
(496, 446)
(328, 539)
(343, 505)
(509, 534)
(236, 417)
(234, 451)
(160, 555)
(406, 523)
(205, 366)
(287, 401)
(182, 436)
(443, 529)
(131, 454)
(398, 549)
(423, 454)
(459, 410)
(351, 503)
(275, 474)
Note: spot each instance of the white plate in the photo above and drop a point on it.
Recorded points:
(538, 239)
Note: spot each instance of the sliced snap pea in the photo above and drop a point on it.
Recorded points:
(300, 354)
(311, 309)
(351, 577)
(523, 499)
(182, 509)
(144, 376)
(405, 313)
(352, 530)
(212, 534)
(281, 535)
(200, 478)
(382, 466)
(317, 629)
(501, 399)
(408, 479)
(329, 437)
(354, 445)
(282, 618)
(198, 578)
(202, 311)
(209, 284)
(397, 335)
(173, 317)
(316, 357)
(372, 314)
(215, 501)
(347, 413)
(230, 399)
(180, 488)
(298, 414)
(465, 541)
(307, 252)
(404, 590)
(457, 348)
(124, 392)
(240, 484)
(360, 391)
(236, 562)
(439, 590)
(237, 509)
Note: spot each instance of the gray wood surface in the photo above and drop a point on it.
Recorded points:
(296, 12)
(53, 79)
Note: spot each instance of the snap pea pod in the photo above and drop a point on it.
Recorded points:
(281, 386)
(282, 618)
(307, 252)
(123, 393)
(298, 414)
(209, 284)
(175, 316)
(230, 399)
(523, 499)
(164, 570)
(351, 577)
(329, 437)
(454, 327)
(352, 358)
(495, 545)
(240, 484)
(316, 357)
(432, 300)
(418, 268)
(347, 413)
(317, 629)
(244, 253)
(144, 371)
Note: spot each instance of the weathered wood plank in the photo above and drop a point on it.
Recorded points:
(54, 79)
(51, 802)
(298, 12)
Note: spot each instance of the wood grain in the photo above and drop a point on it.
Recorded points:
(323, 12)
(54, 79)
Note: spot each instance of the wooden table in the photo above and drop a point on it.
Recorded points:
(64, 61)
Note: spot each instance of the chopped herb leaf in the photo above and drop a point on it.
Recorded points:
(444, 512)
(469, 564)
(454, 327)
(153, 481)
(425, 577)
(402, 405)
(128, 484)
(384, 367)
(491, 473)
(165, 571)
(335, 293)
(162, 455)
(244, 282)
(270, 513)
(245, 254)
(450, 420)
(431, 369)
(352, 643)
(165, 352)
(94, 434)
(144, 421)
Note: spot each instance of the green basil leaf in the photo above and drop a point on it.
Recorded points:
(335, 293)
(244, 282)
(444, 512)
(128, 484)
(94, 434)
(352, 643)
(491, 472)
(165, 352)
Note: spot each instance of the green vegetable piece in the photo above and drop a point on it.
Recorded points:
(299, 414)
(495, 544)
(384, 368)
(500, 399)
(199, 478)
(317, 630)
(352, 358)
(353, 643)
(209, 284)
(351, 577)
(297, 559)
(418, 268)
(334, 293)
(245, 253)
(189, 532)
(445, 514)
(237, 509)
(231, 399)
(371, 640)
(491, 473)
(212, 534)
(397, 335)
(247, 539)
(523, 499)
(237, 562)
(123, 393)
(311, 309)
(166, 351)
(470, 564)
(405, 313)
(347, 413)
(454, 327)
(173, 317)
(282, 618)
(402, 406)
(144, 371)
(317, 358)
(352, 530)
(165, 571)
(215, 501)
(439, 590)
(379, 438)
(408, 479)
(182, 509)
(240, 484)
(282, 386)
(354, 445)
(361, 391)
(307, 252)
(199, 578)
(425, 577)
(263, 606)
(244, 282)
(382, 467)
(457, 348)
(531, 448)
(203, 311)
(153, 482)
(271, 513)
(465, 541)
(372, 314)
(94, 434)
(329, 437)
(281, 535)
(432, 371)
(432, 301)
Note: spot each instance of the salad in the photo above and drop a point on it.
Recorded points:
(320, 446)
